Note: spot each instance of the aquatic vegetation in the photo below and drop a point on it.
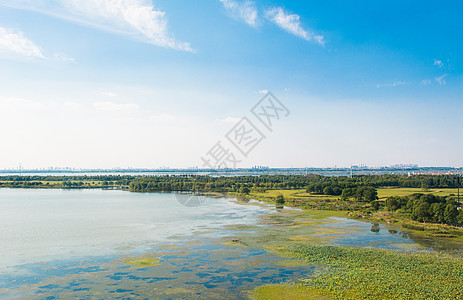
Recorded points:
(241, 227)
(145, 261)
(284, 291)
(235, 244)
(356, 273)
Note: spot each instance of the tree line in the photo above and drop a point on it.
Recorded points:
(328, 185)
(427, 208)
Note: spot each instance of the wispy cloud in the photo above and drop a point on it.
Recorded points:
(425, 81)
(441, 79)
(393, 84)
(244, 10)
(18, 103)
(15, 43)
(138, 19)
(71, 105)
(229, 120)
(64, 58)
(162, 118)
(109, 94)
(263, 92)
(292, 24)
(108, 105)
(438, 63)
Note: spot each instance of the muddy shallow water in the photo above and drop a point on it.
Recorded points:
(114, 244)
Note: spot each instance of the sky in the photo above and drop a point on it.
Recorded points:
(151, 84)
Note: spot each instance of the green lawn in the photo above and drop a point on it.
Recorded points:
(383, 193)
(389, 192)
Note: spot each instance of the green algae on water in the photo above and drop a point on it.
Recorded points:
(145, 261)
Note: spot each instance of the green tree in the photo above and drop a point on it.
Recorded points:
(437, 212)
(460, 217)
(450, 214)
(347, 193)
(244, 190)
(328, 190)
(280, 199)
(337, 191)
(370, 194)
(420, 211)
(392, 204)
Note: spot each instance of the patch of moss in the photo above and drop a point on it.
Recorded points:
(285, 291)
(357, 273)
(142, 262)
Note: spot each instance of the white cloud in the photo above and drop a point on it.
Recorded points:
(162, 118)
(18, 103)
(263, 92)
(108, 105)
(15, 43)
(292, 24)
(393, 84)
(425, 81)
(230, 120)
(71, 105)
(441, 79)
(64, 58)
(245, 10)
(138, 19)
(438, 63)
(109, 94)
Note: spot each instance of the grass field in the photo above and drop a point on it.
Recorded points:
(59, 184)
(384, 193)
(356, 273)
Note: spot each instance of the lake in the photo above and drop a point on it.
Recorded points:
(117, 244)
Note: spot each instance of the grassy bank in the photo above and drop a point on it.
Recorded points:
(350, 272)
(300, 198)
(63, 184)
(353, 209)
(354, 273)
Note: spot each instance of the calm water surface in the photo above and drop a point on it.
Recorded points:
(77, 243)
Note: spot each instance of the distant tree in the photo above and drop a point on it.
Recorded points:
(392, 203)
(280, 199)
(328, 190)
(420, 211)
(424, 186)
(347, 193)
(337, 191)
(244, 190)
(366, 194)
(450, 214)
(460, 217)
(370, 194)
(437, 212)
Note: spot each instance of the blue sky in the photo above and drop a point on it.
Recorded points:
(140, 83)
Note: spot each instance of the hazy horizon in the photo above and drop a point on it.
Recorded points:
(147, 84)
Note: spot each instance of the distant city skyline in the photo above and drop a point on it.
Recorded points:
(141, 83)
(197, 168)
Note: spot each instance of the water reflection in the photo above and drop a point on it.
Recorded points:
(375, 228)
